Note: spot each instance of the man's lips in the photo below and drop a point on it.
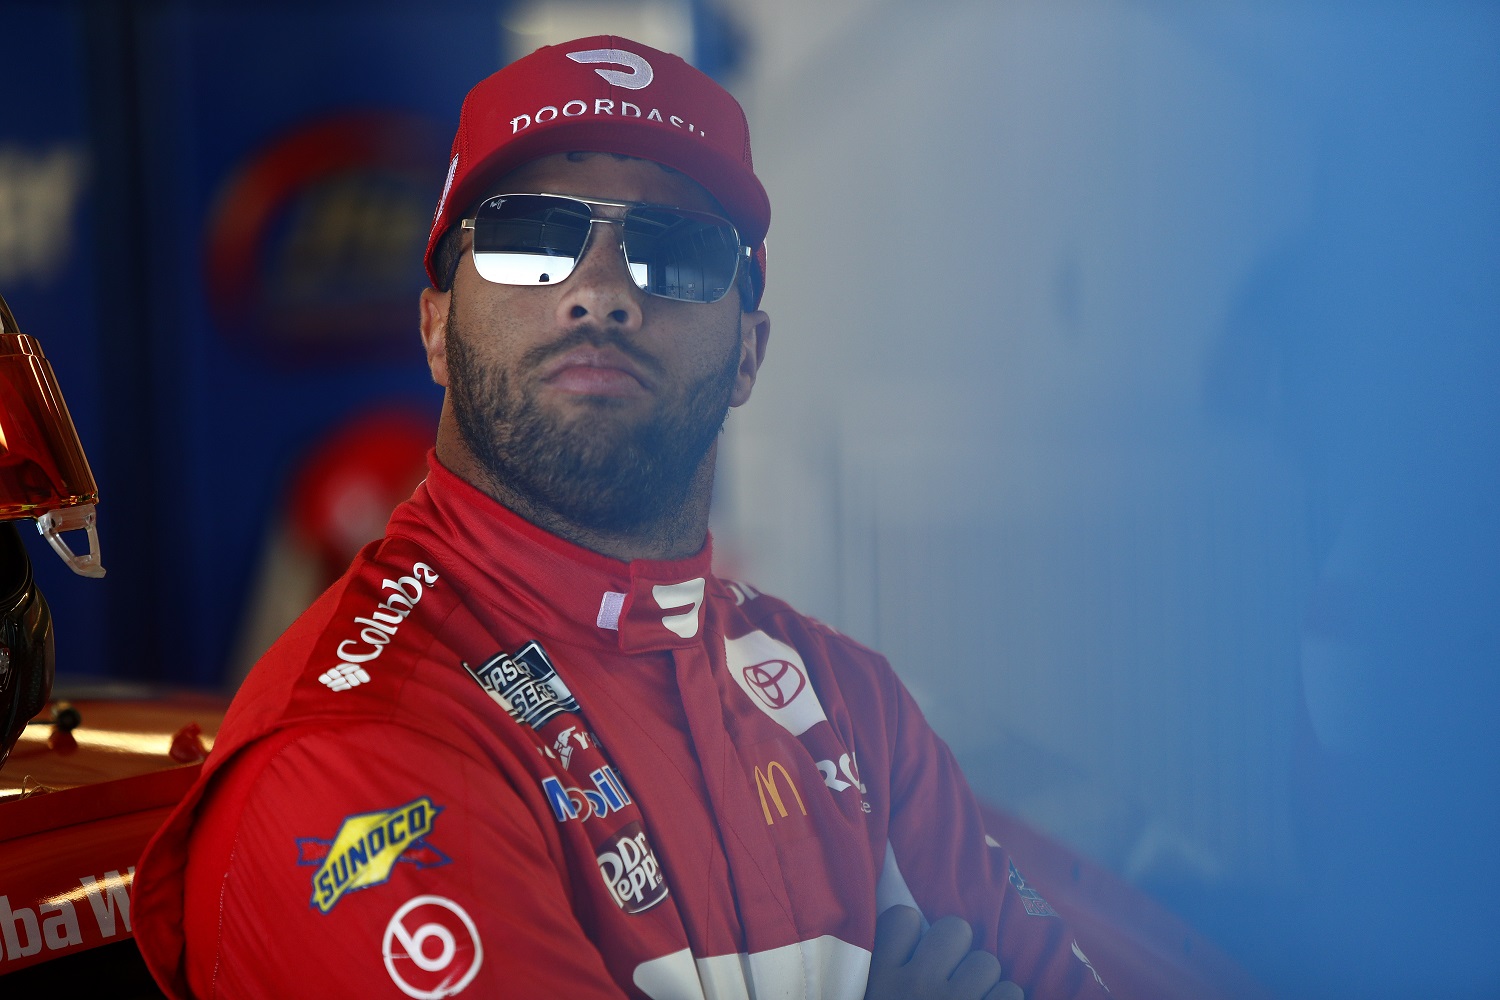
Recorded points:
(595, 371)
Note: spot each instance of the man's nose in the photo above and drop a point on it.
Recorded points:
(600, 286)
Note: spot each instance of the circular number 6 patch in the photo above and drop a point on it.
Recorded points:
(432, 948)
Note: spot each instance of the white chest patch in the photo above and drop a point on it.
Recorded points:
(773, 676)
(824, 967)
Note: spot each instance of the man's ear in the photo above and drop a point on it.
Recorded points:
(755, 331)
(434, 307)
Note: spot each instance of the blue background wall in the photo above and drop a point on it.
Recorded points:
(193, 411)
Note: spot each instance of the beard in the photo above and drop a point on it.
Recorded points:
(598, 470)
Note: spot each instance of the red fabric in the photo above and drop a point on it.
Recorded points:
(758, 786)
(1145, 951)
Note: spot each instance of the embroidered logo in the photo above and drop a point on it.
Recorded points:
(848, 766)
(524, 684)
(775, 682)
(366, 849)
(676, 595)
(607, 796)
(630, 870)
(563, 748)
(638, 77)
(431, 948)
(380, 627)
(775, 679)
(765, 782)
(741, 592)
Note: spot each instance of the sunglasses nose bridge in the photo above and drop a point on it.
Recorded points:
(616, 241)
(592, 275)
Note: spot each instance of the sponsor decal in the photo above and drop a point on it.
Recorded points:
(602, 106)
(849, 768)
(638, 77)
(773, 676)
(54, 923)
(775, 682)
(636, 74)
(432, 948)
(562, 747)
(525, 684)
(765, 781)
(1030, 898)
(608, 795)
(1078, 954)
(380, 627)
(688, 594)
(366, 849)
(630, 870)
(741, 592)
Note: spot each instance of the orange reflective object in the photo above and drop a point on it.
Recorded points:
(42, 465)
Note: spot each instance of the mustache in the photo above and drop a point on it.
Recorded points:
(592, 336)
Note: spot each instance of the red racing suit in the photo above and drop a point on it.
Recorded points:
(489, 762)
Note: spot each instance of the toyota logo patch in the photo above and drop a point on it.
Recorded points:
(775, 682)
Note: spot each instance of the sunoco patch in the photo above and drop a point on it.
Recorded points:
(366, 849)
(1030, 898)
(525, 685)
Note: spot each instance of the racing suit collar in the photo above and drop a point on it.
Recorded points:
(637, 606)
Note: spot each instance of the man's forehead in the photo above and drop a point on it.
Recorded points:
(610, 176)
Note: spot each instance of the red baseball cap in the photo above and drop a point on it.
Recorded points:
(610, 95)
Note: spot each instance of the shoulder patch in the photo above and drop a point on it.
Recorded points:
(366, 849)
(369, 632)
(525, 684)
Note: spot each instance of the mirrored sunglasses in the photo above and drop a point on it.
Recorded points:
(537, 239)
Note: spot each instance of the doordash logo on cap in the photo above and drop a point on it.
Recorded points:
(639, 77)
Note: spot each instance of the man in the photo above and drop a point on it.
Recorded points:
(529, 745)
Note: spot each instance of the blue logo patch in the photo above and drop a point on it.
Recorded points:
(525, 684)
(607, 796)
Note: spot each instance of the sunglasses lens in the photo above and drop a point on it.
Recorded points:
(529, 240)
(683, 255)
(536, 240)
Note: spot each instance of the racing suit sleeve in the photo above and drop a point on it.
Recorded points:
(950, 865)
(372, 860)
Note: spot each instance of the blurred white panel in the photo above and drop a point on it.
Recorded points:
(1005, 238)
(1133, 386)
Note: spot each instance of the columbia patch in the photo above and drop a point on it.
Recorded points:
(367, 848)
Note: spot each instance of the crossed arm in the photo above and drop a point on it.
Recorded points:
(908, 964)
